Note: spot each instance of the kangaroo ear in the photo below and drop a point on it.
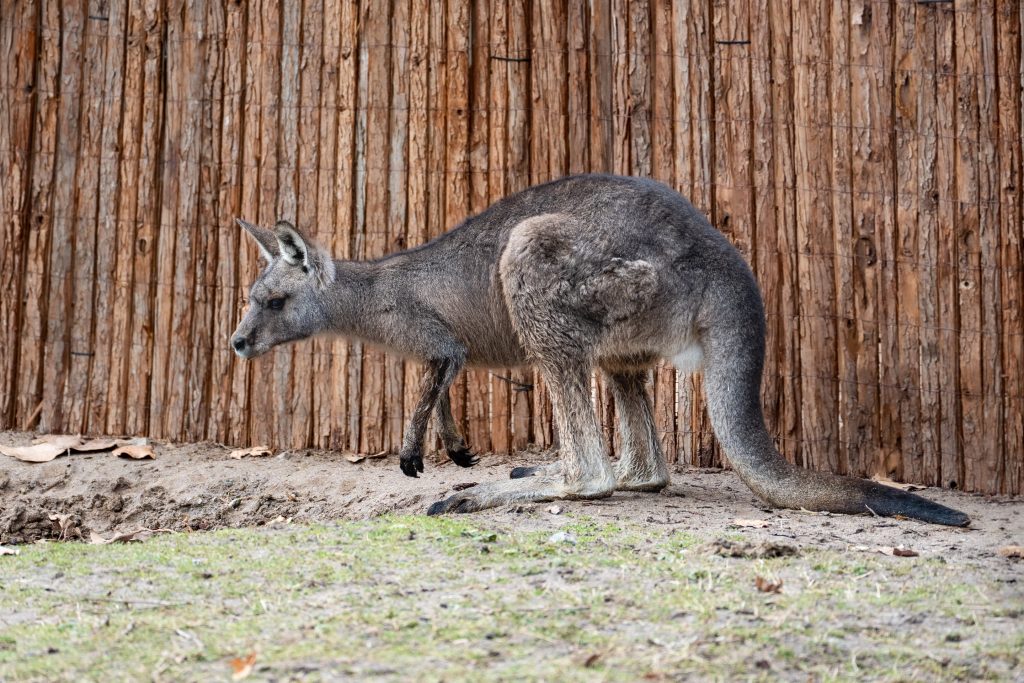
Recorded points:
(265, 239)
(299, 251)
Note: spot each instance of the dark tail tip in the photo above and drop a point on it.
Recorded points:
(889, 502)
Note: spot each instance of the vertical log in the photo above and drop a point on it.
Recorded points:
(815, 265)
(987, 471)
(418, 170)
(783, 325)
(139, 402)
(456, 165)
(478, 409)
(18, 98)
(969, 85)
(1009, 86)
(918, 128)
(224, 422)
(945, 249)
(106, 348)
(663, 156)
(497, 162)
(850, 449)
(394, 386)
(60, 269)
(344, 396)
(518, 168)
(377, 57)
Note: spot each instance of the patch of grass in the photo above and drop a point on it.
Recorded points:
(430, 598)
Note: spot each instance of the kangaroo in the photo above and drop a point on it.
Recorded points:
(582, 272)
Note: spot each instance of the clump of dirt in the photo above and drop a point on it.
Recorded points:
(199, 487)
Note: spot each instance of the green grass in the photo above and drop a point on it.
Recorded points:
(415, 598)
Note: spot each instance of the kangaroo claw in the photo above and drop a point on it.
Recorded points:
(411, 463)
(463, 457)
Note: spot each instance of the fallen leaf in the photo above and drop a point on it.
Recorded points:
(42, 452)
(136, 536)
(1012, 551)
(4, 550)
(886, 481)
(66, 526)
(591, 660)
(766, 586)
(242, 666)
(64, 441)
(750, 523)
(135, 452)
(898, 551)
(98, 445)
(255, 451)
(556, 510)
(352, 457)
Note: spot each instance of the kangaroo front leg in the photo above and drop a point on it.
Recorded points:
(585, 471)
(436, 380)
(641, 466)
(454, 444)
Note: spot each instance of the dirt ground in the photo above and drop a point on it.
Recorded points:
(200, 487)
(293, 561)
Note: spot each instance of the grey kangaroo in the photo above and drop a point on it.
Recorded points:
(585, 271)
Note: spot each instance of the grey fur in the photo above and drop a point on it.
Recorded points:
(582, 272)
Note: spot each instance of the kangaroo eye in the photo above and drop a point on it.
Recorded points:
(276, 304)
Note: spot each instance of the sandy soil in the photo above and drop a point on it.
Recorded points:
(198, 487)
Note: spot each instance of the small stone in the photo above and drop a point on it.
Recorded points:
(562, 537)
(554, 510)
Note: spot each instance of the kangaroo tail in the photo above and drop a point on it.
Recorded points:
(734, 356)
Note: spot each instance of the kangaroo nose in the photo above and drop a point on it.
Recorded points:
(238, 343)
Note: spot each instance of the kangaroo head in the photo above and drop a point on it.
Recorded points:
(286, 302)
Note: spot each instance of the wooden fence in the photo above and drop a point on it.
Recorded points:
(864, 155)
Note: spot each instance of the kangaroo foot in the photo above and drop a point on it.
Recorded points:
(535, 470)
(537, 489)
(462, 456)
(411, 462)
(652, 484)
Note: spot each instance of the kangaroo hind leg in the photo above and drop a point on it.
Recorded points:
(641, 466)
(560, 338)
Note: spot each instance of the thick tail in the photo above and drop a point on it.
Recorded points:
(732, 380)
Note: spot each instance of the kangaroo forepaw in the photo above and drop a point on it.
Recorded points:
(551, 468)
(456, 503)
(411, 463)
(523, 472)
(462, 456)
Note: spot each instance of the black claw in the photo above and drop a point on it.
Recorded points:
(463, 457)
(522, 472)
(411, 464)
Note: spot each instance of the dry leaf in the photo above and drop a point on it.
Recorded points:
(766, 586)
(750, 523)
(98, 445)
(899, 551)
(591, 660)
(4, 550)
(135, 452)
(255, 451)
(1012, 551)
(62, 440)
(42, 452)
(136, 536)
(381, 454)
(352, 457)
(242, 666)
(886, 481)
